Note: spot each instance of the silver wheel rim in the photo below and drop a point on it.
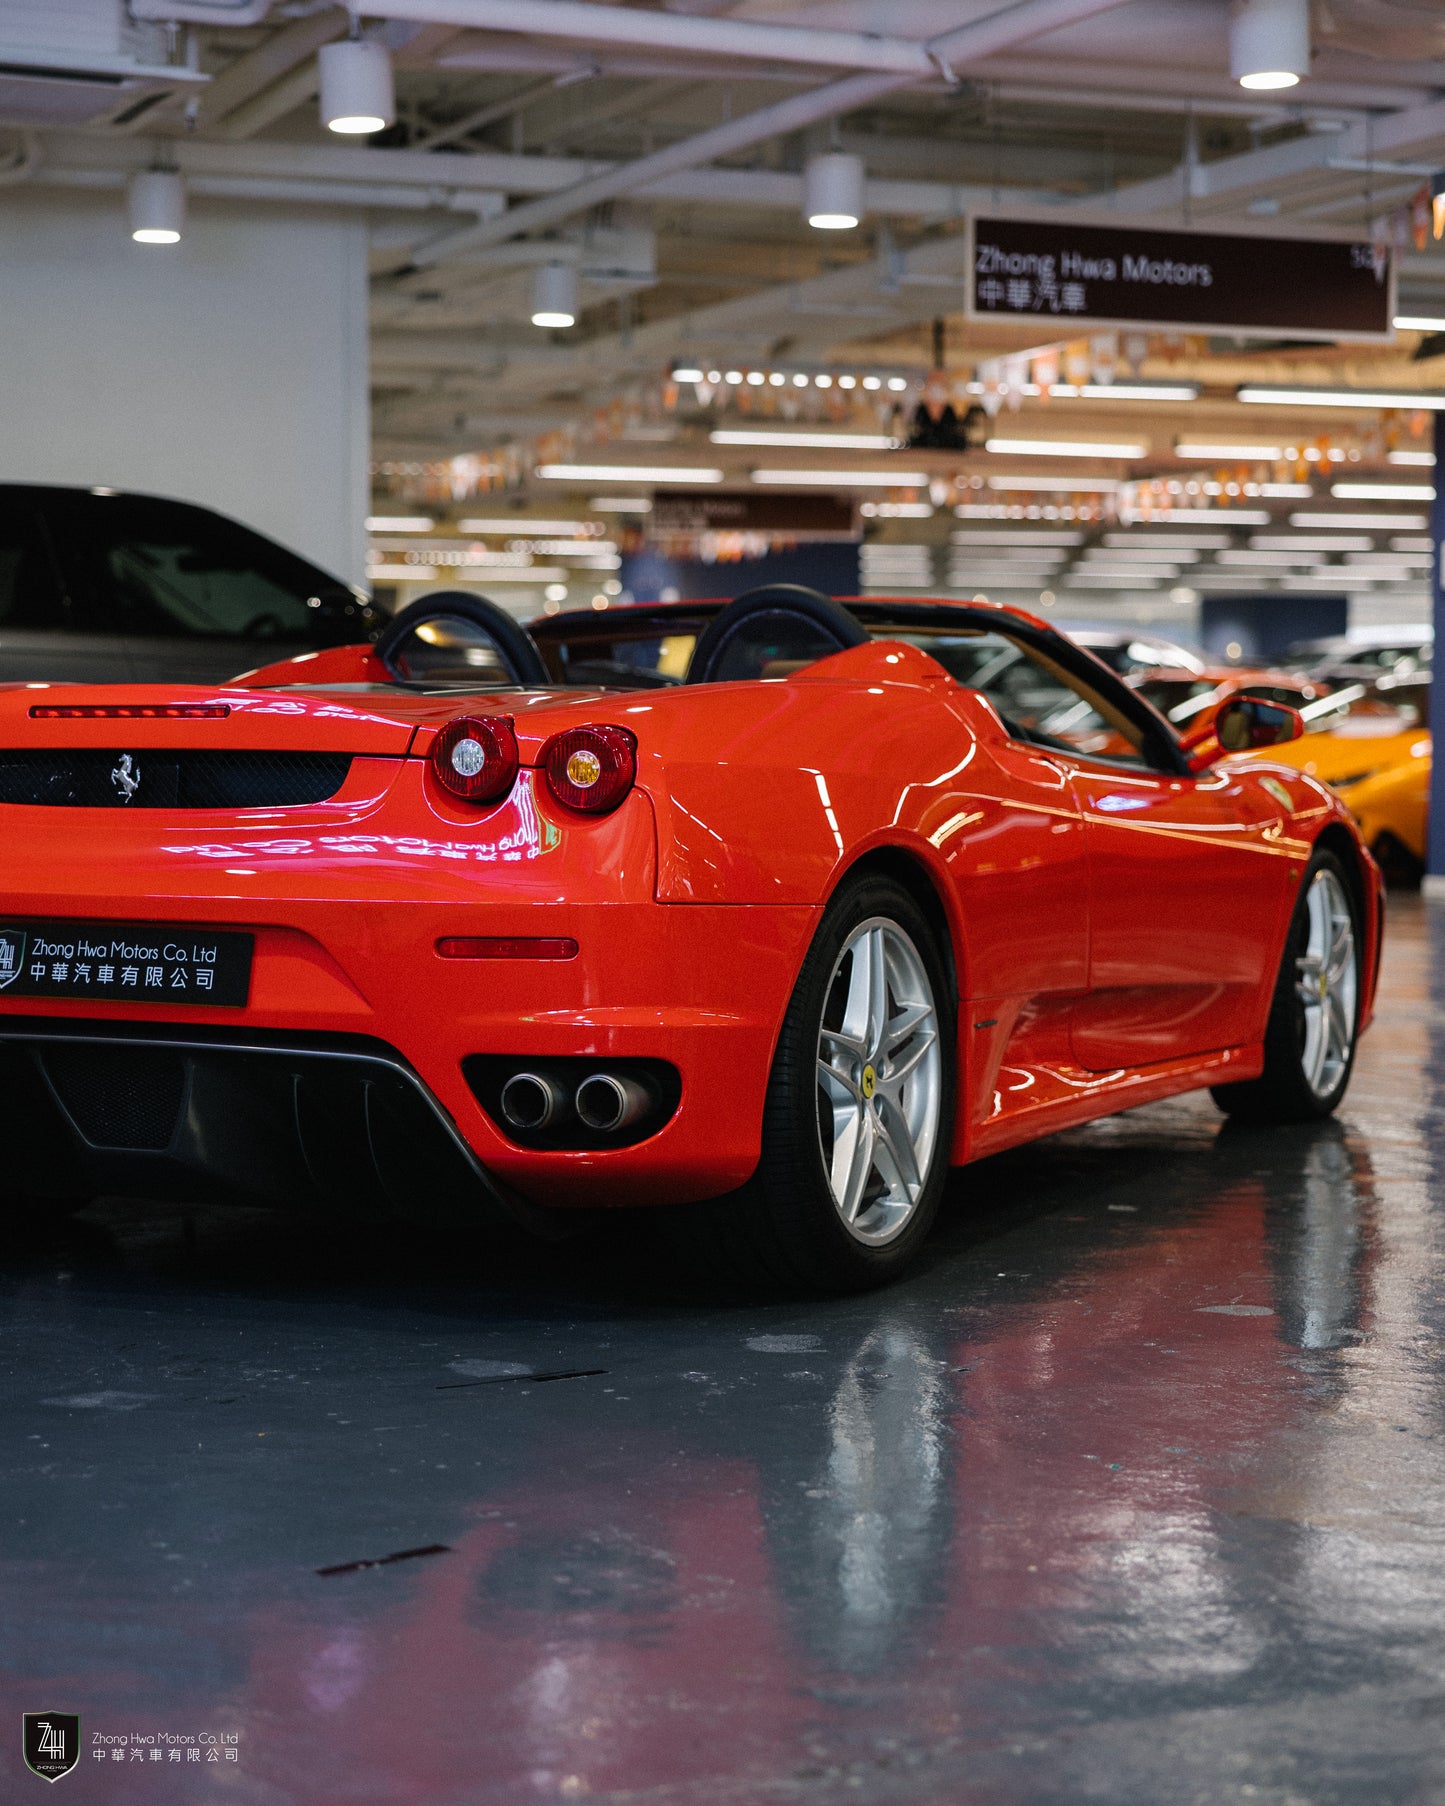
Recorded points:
(1326, 985)
(880, 1081)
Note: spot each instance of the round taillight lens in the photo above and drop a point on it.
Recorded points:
(590, 768)
(475, 757)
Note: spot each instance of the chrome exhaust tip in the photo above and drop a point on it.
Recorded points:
(530, 1101)
(607, 1104)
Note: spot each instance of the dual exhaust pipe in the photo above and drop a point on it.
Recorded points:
(602, 1102)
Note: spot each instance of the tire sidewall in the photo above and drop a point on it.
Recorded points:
(791, 1175)
(1285, 1036)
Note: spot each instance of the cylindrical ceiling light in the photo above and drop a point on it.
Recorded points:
(833, 191)
(357, 91)
(157, 202)
(1269, 42)
(554, 295)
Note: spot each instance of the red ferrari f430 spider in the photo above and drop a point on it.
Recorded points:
(768, 912)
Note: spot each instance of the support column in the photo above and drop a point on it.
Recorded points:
(1435, 855)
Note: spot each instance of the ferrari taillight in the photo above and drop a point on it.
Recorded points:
(590, 768)
(475, 757)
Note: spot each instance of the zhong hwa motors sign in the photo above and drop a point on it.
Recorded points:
(1058, 272)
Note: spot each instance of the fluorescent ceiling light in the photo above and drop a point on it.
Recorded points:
(846, 479)
(1407, 399)
(1105, 391)
(689, 375)
(1413, 543)
(1064, 448)
(1379, 522)
(1384, 492)
(399, 523)
(897, 510)
(1267, 453)
(1138, 391)
(1311, 542)
(1284, 491)
(815, 441)
(625, 473)
(1238, 517)
(621, 504)
(1006, 536)
(1296, 555)
(1066, 484)
(1418, 323)
(1120, 580)
(427, 573)
(1423, 458)
(1182, 542)
(1137, 555)
(521, 523)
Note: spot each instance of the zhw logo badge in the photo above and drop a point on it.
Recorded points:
(52, 1743)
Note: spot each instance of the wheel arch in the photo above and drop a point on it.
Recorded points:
(915, 875)
(1367, 891)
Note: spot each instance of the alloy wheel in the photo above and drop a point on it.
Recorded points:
(880, 1076)
(1327, 985)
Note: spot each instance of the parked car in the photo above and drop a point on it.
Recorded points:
(1127, 653)
(1188, 698)
(1364, 656)
(874, 892)
(102, 586)
(1371, 744)
(1392, 807)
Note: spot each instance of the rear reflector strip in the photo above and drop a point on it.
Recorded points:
(130, 711)
(507, 947)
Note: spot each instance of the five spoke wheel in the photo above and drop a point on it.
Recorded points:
(1326, 984)
(880, 1072)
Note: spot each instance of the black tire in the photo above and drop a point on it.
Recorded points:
(1284, 1092)
(785, 1227)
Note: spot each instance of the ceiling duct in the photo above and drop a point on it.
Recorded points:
(77, 62)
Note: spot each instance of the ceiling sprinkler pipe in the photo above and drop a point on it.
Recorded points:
(202, 12)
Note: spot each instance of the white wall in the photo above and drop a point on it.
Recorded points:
(230, 369)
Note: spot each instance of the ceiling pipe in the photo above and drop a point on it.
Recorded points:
(592, 25)
(1012, 25)
(202, 12)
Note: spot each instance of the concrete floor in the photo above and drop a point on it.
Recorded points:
(1134, 1493)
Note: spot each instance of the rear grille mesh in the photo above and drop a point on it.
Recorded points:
(119, 1097)
(88, 778)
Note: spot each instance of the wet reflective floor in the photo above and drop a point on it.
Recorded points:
(1134, 1492)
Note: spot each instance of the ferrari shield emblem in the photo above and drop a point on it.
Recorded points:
(52, 1743)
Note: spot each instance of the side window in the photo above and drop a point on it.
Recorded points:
(181, 572)
(30, 592)
(1037, 700)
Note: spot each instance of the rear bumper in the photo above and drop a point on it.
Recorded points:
(201, 1115)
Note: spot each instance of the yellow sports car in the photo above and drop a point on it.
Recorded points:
(1393, 807)
(1372, 746)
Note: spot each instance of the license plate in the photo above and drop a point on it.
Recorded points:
(125, 962)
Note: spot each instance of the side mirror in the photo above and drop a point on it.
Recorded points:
(1243, 724)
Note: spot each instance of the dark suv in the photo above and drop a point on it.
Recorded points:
(100, 586)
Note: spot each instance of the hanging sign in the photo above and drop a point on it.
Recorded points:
(811, 516)
(1302, 288)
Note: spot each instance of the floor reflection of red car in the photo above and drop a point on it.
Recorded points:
(967, 1524)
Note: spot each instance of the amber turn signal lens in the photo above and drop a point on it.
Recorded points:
(590, 768)
(475, 757)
